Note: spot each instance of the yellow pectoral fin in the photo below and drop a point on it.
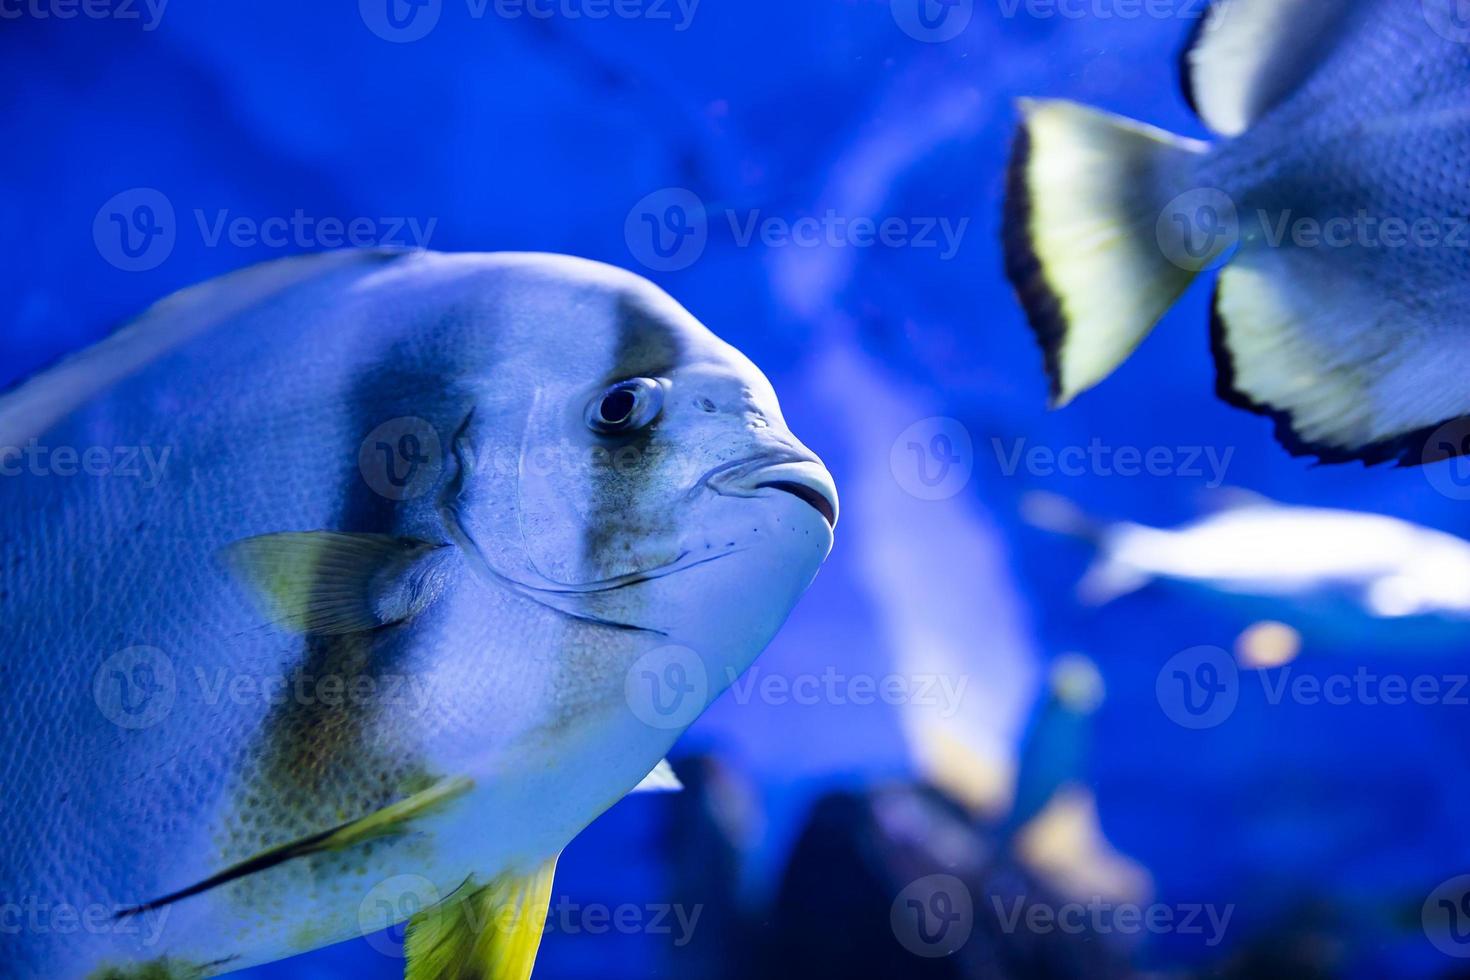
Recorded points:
(322, 583)
(490, 934)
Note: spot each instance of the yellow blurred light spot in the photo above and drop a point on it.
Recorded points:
(1076, 682)
(1268, 644)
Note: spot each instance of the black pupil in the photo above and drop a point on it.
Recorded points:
(618, 405)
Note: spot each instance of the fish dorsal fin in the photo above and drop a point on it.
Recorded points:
(661, 779)
(39, 403)
(492, 933)
(391, 820)
(1246, 56)
(323, 583)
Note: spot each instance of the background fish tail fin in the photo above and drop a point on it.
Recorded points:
(1348, 363)
(1109, 579)
(1085, 208)
(1059, 515)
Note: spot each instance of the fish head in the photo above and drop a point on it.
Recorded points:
(655, 485)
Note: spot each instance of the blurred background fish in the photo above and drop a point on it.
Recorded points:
(1339, 304)
(1335, 573)
(1333, 828)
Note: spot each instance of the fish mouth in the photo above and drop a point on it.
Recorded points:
(801, 476)
(827, 508)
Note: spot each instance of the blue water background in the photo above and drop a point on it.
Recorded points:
(544, 134)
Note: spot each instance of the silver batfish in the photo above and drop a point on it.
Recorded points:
(346, 590)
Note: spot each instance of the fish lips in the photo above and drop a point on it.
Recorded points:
(802, 477)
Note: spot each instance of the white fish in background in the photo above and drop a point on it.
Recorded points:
(496, 496)
(1322, 563)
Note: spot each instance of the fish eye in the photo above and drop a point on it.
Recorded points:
(626, 406)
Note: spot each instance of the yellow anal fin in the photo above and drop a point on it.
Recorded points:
(392, 819)
(490, 934)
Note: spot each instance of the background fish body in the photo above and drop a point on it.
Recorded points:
(1329, 570)
(1333, 200)
(1375, 132)
(166, 732)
